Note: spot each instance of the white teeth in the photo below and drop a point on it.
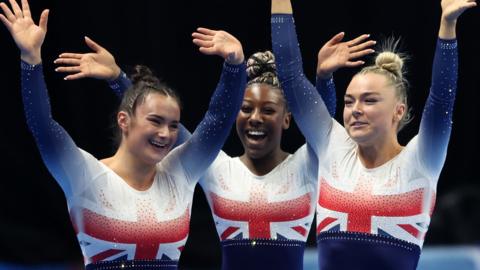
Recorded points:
(256, 133)
(157, 143)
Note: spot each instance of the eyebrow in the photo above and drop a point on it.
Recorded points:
(158, 117)
(363, 94)
(263, 103)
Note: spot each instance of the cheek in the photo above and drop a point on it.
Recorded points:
(346, 114)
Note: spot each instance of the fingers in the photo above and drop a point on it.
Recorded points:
(44, 20)
(16, 9)
(357, 40)
(203, 43)
(6, 22)
(26, 9)
(93, 45)
(354, 63)
(470, 4)
(336, 39)
(8, 13)
(73, 69)
(71, 55)
(200, 36)
(208, 51)
(67, 61)
(361, 53)
(76, 76)
(206, 31)
(363, 46)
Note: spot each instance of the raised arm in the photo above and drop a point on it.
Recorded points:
(98, 64)
(308, 108)
(336, 54)
(436, 123)
(59, 153)
(201, 149)
(101, 64)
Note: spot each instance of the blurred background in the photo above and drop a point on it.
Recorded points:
(35, 230)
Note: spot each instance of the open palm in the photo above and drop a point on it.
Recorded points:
(213, 42)
(452, 9)
(28, 36)
(336, 54)
(99, 64)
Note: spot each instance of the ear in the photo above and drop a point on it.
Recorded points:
(399, 112)
(123, 121)
(286, 120)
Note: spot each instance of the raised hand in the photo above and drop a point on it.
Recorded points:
(28, 36)
(452, 9)
(99, 64)
(336, 54)
(213, 42)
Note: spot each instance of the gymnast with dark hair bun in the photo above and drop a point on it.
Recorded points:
(131, 210)
(375, 196)
(263, 201)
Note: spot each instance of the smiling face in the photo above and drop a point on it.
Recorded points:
(372, 110)
(152, 130)
(261, 120)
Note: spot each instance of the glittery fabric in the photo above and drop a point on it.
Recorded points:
(280, 254)
(134, 265)
(113, 221)
(326, 89)
(366, 209)
(120, 84)
(306, 104)
(263, 218)
(278, 205)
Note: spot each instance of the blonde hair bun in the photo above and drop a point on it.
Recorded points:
(391, 62)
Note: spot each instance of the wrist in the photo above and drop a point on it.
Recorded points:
(32, 58)
(115, 74)
(447, 28)
(234, 59)
(446, 22)
(321, 74)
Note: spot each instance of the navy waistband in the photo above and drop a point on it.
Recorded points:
(134, 265)
(350, 250)
(262, 254)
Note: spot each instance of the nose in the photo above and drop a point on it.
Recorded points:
(163, 131)
(357, 109)
(255, 118)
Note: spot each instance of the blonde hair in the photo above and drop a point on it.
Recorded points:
(390, 63)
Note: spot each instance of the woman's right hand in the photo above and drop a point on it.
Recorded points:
(99, 64)
(336, 54)
(28, 36)
(213, 42)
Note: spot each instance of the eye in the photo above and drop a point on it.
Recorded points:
(348, 102)
(155, 121)
(268, 110)
(246, 109)
(371, 100)
(173, 126)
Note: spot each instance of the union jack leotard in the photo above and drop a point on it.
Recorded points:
(263, 221)
(369, 218)
(117, 226)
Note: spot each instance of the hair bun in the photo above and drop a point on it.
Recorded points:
(261, 63)
(142, 74)
(391, 62)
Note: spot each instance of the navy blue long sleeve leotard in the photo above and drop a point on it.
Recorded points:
(373, 218)
(117, 226)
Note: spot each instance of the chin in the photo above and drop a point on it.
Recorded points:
(254, 154)
(359, 137)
